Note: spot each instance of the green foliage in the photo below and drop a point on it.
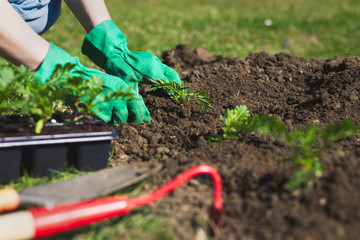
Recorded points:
(42, 99)
(306, 143)
(86, 94)
(234, 120)
(27, 180)
(179, 93)
(90, 94)
(11, 79)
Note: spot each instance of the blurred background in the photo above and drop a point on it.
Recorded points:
(304, 28)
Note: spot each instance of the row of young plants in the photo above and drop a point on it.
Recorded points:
(65, 92)
(306, 143)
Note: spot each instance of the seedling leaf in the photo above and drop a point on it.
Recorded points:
(178, 92)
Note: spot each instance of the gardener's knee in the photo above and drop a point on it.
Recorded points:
(40, 15)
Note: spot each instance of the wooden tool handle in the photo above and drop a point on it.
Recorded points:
(9, 199)
(18, 225)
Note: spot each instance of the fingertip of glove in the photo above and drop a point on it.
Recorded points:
(173, 76)
(104, 117)
(120, 115)
(148, 120)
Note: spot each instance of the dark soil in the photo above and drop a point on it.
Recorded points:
(256, 204)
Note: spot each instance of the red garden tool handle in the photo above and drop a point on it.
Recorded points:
(51, 220)
(181, 179)
(47, 221)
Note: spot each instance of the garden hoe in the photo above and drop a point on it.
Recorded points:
(47, 221)
(84, 187)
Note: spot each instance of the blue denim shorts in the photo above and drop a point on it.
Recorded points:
(39, 14)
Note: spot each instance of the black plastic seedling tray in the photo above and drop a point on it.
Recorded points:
(40, 154)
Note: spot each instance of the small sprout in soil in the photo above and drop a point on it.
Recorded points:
(234, 120)
(178, 92)
(306, 143)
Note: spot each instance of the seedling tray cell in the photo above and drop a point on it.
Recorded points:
(41, 154)
(10, 163)
(41, 160)
(90, 155)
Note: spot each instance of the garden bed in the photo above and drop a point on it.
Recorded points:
(257, 206)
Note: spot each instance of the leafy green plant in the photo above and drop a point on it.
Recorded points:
(179, 93)
(65, 90)
(74, 85)
(41, 99)
(234, 120)
(91, 93)
(306, 142)
(11, 80)
(83, 95)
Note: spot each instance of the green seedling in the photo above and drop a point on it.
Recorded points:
(234, 120)
(91, 94)
(19, 88)
(42, 99)
(75, 86)
(87, 94)
(178, 93)
(306, 143)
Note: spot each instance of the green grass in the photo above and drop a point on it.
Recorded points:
(140, 224)
(323, 28)
(26, 180)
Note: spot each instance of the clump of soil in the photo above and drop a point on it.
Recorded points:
(256, 204)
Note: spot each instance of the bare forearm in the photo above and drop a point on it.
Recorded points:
(89, 12)
(19, 44)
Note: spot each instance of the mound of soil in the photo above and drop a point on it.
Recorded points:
(256, 204)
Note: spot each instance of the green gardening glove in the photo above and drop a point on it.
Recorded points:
(106, 46)
(120, 110)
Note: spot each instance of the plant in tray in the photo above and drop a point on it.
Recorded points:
(306, 142)
(41, 99)
(66, 90)
(21, 92)
(178, 92)
(85, 95)
(90, 94)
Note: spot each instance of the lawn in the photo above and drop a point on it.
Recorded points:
(303, 28)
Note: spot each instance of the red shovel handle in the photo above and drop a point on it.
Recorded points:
(56, 219)
(52, 220)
